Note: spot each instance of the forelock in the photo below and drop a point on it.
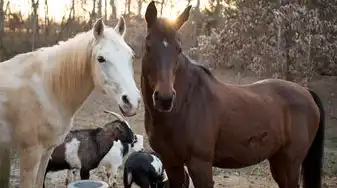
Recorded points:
(117, 39)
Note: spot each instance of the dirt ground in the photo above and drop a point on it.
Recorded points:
(256, 176)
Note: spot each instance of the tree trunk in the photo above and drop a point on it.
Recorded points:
(93, 13)
(2, 20)
(46, 20)
(286, 39)
(73, 9)
(35, 22)
(105, 10)
(99, 6)
(113, 8)
(162, 7)
(129, 7)
(139, 11)
(197, 6)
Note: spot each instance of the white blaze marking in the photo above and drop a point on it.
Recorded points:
(165, 43)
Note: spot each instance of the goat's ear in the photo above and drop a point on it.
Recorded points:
(182, 18)
(120, 27)
(151, 14)
(98, 29)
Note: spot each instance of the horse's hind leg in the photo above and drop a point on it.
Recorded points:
(5, 166)
(285, 171)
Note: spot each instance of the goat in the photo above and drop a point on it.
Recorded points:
(114, 158)
(82, 150)
(146, 170)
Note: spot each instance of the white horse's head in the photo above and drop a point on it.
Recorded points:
(113, 68)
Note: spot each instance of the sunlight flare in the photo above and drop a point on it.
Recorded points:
(171, 18)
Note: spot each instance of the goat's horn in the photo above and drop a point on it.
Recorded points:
(119, 117)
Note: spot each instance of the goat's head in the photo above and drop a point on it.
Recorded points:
(138, 143)
(119, 128)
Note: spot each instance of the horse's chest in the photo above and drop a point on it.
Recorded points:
(168, 142)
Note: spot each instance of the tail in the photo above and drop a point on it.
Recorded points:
(127, 178)
(313, 162)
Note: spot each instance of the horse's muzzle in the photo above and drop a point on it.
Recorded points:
(163, 103)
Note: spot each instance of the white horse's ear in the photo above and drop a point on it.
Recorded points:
(98, 28)
(120, 27)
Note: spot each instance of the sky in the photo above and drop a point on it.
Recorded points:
(57, 8)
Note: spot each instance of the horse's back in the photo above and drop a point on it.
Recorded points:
(263, 117)
(289, 93)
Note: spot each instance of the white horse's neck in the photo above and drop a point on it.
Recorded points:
(67, 72)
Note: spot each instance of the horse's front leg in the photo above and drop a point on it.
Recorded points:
(43, 166)
(201, 173)
(29, 164)
(176, 176)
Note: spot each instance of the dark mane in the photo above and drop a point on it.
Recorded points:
(199, 66)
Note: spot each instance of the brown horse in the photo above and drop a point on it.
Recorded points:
(192, 118)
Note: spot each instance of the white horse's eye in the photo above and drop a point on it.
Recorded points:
(100, 59)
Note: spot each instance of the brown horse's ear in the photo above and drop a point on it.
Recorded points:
(151, 14)
(183, 17)
(98, 28)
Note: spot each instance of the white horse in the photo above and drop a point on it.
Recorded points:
(41, 91)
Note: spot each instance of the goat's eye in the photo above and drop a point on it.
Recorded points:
(100, 59)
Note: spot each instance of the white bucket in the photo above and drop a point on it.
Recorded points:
(88, 184)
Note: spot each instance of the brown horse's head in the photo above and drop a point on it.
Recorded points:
(160, 61)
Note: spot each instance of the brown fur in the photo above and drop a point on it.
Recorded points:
(223, 125)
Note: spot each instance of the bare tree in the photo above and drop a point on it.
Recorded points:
(197, 6)
(73, 9)
(127, 7)
(2, 20)
(105, 10)
(35, 22)
(99, 6)
(113, 7)
(162, 7)
(139, 8)
(93, 12)
(46, 19)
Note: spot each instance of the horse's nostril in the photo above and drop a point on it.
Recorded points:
(125, 99)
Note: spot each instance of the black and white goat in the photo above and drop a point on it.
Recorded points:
(114, 158)
(146, 170)
(82, 150)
